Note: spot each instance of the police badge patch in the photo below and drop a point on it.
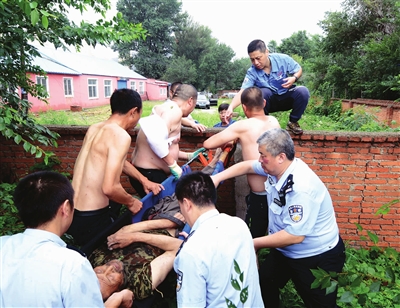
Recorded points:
(296, 212)
(179, 280)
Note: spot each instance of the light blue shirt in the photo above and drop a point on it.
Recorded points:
(37, 270)
(220, 123)
(308, 211)
(281, 67)
(205, 263)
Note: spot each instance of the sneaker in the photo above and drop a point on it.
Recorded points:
(294, 127)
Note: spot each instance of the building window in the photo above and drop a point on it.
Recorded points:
(43, 81)
(107, 88)
(161, 91)
(92, 84)
(133, 85)
(141, 87)
(68, 87)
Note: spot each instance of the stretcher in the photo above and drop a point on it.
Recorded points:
(150, 199)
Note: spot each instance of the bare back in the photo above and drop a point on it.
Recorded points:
(246, 132)
(99, 164)
(143, 156)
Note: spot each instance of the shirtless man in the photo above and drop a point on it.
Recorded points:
(246, 132)
(96, 179)
(157, 149)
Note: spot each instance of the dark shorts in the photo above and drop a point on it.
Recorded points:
(87, 224)
(154, 175)
(136, 258)
(257, 214)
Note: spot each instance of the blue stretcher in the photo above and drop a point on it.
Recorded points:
(148, 201)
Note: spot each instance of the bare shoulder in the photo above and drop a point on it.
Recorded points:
(273, 122)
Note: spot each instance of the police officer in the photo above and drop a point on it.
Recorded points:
(302, 232)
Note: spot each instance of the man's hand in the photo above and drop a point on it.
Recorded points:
(120, 240)
(121, 299)
(229, 111)
(199, 127)
(176, 171)
(149, 186)
(135, 206)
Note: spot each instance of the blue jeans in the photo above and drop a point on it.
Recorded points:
(296, 99)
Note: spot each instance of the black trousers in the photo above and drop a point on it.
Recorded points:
(277, 269)
(154, 175)
(257, 214)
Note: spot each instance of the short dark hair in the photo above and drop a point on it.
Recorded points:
(174, 86)
(256, 45)
(123, 100)
(252, 98)
(39, 195)
(223, 107)
(198, 187)
(185, 91)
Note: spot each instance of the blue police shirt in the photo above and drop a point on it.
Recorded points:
(308, 210)
(281, 67)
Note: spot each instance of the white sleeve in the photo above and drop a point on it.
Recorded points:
(156, 132)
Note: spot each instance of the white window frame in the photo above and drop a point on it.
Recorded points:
(141, 87)
(69, 87)
(107, 86)
(93, 87)
(133, 85)
(39, 81)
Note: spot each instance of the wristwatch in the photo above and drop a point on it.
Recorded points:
(297, 78)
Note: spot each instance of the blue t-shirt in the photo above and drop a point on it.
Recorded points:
(220, 123)
(281, 67)
(308, 210)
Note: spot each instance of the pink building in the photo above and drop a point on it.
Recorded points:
(79, 80)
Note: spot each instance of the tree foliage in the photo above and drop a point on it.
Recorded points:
(161, 19)
(21, 23)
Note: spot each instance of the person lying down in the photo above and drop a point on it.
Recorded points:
(139, 256)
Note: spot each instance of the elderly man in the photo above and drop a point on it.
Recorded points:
(302, 233)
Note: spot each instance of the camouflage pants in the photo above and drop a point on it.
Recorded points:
(136, 258)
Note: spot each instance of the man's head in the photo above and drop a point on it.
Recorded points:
(252, 99)
(222, 114)
(258, 54)
(276, 149)
(173, 87)
(127, 102)
(111, 276)
(195, 193)
(41, 195)
(186, 95)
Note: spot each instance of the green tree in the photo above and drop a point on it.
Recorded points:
(161, 18)
(362, 45)
(193, 41)
(297, 44)
(272, 46)
(239, 69)
(215, 69)
(181, 69)
(22, 22)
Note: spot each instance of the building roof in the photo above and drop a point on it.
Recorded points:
(58, 61)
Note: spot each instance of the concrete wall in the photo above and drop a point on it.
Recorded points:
(361, 171)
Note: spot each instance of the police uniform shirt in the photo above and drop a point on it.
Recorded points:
(281, 66)
(205, 264)
(307, 210)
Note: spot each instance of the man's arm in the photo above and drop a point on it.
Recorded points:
(291, 80)
(277, 240)
(245, 167)
(164, 242)
(148, 186)
(236, 101)
(220, 139)
(191, 123)
(116, 159)
(122, 299)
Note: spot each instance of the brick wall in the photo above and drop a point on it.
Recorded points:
(361, 171)
(388, 112)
